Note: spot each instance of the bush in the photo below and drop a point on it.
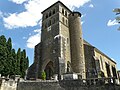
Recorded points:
(44, 75)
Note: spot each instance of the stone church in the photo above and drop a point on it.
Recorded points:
(63, 50)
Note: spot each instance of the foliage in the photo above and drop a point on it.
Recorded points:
(117, 11)
(12, 63)
(43, 75)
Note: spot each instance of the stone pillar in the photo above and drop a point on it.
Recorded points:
(76, 44)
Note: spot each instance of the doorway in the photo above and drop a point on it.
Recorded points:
(49, 70)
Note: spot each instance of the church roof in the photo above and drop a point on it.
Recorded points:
(97, 50)
(55, 4)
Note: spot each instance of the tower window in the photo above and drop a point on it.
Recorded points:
(63, 19)
(49, 13)
(46, 15)
(49, 23)
(66, 22)
(53, 11)
(62, 11)
(66, 13)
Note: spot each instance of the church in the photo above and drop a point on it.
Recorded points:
(63, 50)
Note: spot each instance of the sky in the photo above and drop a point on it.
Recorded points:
(21, 20)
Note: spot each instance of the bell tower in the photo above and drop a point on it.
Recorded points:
(55, 38)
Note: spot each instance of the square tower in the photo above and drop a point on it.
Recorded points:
(55, 39)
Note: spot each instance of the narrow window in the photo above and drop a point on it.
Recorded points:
(46, 15)
(53, 11)
(66, 22)
(49, 23)
(62, 11)
(66, 13)
(49, 13)
(63, 19)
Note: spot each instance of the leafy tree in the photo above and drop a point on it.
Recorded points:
(9, 44)
(3, 56)
(12, 63)
(23, 63)
(18, 61)
(117, 11)
(3, 41)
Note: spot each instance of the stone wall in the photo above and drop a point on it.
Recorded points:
(39, 85)
(89, 84)
(85, 84)
(7, 84)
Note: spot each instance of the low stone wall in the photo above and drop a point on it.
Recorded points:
(7, 84)
(82, 85)
(68, 85)
(88, 84)
(39, 85)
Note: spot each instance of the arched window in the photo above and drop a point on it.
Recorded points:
(49, 13)
(66, 22)
(53, 11)
(62, 11)
(66, 13)
(63, 19)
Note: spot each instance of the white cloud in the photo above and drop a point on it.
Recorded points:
(32, 14)
(91, 6)
(18, 1)
(112, 23)
(82, 22)
(34, 39)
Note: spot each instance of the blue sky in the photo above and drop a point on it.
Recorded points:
(21, 20)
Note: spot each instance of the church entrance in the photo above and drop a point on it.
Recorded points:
(49, 70)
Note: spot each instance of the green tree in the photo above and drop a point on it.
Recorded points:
(3, 56)
(12, 63)
(117, 11)
(3, 41)
(18, 61)
(9, 44)
(23, 63)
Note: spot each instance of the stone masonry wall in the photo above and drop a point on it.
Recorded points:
(7, 84)
(67, 85)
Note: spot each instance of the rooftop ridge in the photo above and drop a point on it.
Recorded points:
(55, 4)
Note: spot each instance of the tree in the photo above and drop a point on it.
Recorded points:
(117, 11)
(9, 45)
(18, 61)
(3, 56)
(3, 41)
(12, 63)
(23, 63)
